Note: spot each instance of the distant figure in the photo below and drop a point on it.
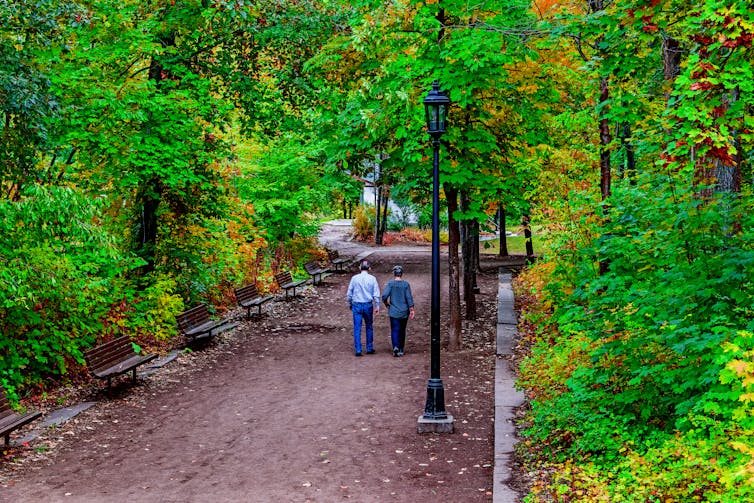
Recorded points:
(400, 303)
(364, 302)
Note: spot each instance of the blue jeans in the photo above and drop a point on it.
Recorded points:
(363, 311)
(398, 332)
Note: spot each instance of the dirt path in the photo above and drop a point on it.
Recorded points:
(280, 410)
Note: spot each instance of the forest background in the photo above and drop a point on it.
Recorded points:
(155, 154)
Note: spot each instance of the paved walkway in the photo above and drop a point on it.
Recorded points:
(507, 399)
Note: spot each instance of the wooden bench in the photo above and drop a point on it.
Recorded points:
(113, 358)
(337, 261)
(314, 270)
(195, 324)
(248, 297)
(285, 281)
(10, 420)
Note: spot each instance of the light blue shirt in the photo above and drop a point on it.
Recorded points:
(364, 288)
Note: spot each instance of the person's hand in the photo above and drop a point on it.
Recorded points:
(376, 311)
(350, 306)
(411, 314)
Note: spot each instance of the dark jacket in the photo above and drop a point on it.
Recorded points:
(398, 292)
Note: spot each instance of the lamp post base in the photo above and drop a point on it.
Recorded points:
(426, 425)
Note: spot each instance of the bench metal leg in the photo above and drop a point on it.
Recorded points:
(7, 440)
(133, 375)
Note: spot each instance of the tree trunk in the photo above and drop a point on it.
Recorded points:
(467, 252)
(385, 197)
(503, 251)
(527, 239)
(671, 58)
(475, 253)
(605, 176)
(628, 169)
(728, 175)
(454, 291)
(149, 194)
(146, 225)
(377, 216)
(605, 139)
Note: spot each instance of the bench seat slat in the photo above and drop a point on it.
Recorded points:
(10, 423)
(256, 302)
(196, 324)
(204, 327)
(11, 420)
(291, 284)
(123, 366)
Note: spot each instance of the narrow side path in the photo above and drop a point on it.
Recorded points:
(507, 399)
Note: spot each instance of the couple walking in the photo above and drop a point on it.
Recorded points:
(364, 302)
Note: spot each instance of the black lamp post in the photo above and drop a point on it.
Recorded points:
(435, 418)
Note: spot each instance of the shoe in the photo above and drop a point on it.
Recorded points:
(395, 352)
(371, 352)
(401, 353)
(358, 353)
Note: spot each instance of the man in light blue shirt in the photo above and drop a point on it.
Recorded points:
(364, 301)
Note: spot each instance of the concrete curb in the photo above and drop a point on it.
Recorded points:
(506, 396)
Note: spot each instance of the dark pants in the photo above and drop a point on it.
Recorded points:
(363, 311)
(398, 332)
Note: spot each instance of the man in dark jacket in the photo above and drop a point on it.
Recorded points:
(400, 303)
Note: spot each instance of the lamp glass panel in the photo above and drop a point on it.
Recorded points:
(441, 114)
(432, 117)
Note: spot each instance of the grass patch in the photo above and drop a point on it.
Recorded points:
(516, 246)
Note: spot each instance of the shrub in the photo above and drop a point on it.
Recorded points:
(640, 374)
(60, 273)
(363, 223)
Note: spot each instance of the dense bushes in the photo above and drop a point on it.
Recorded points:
(59, 274)
(65, 284)
(642, 367)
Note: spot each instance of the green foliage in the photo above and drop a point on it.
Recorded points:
(58, 272)
(286, 187)
(27, 105)
(654, 346)
(425, 217)
(147, 315)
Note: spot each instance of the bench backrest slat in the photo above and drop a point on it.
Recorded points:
(194, 317)
(312, 265)
(332, 254)
(283, 277)
(248, 292)
(5, 408)
(110, 352)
